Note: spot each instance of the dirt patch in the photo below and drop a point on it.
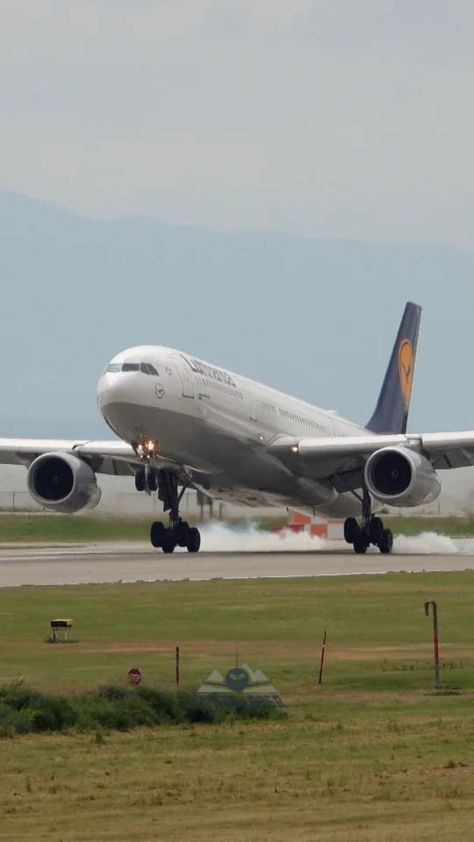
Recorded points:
(265, 648)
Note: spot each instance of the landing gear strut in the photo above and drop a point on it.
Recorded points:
(179, 533)
(370, 531)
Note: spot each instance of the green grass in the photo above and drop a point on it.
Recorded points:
(377, 621)
(84, 528)
(66, 528)
(455, 527)
(373, 755)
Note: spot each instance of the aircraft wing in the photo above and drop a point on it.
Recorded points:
(115, 457)
(343, 458)
(104, 457)
(449, 450)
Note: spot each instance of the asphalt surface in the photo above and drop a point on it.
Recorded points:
(75, 564)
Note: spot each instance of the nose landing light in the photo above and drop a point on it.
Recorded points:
(146, 448)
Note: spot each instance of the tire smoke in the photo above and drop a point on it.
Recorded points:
(219, 537)
(428, 543)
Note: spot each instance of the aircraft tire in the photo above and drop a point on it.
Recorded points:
(182, 533)
(361, 543)
(157, 532)
(140, 481)
(168, 544)
(376, 530)
(351, 530)
(194, 540)
(386, 542)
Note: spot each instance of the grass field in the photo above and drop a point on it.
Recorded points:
(66, 528)
(79, 528)
(374, 755)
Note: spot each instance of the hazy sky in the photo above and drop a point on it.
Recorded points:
(345, 118)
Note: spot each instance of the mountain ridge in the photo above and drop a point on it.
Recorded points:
(313, 317)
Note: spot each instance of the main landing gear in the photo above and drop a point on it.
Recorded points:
(179, 533)
(370, 531)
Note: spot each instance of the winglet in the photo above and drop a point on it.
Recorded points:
(391, 412)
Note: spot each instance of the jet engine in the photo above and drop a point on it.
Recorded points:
(63, 483)
(398, 476)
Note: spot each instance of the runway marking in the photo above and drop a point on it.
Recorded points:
(128, 563)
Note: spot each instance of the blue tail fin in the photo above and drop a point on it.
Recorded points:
(391, 412)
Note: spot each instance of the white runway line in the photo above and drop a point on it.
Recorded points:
(248, 554)
(218, 538)
(154, 567)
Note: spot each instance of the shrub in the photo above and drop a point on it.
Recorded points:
(14, 722)
(121, 713)
(204, 710)
(30, 710)
(17, 696)
(222, 708)
(168, 707)
(53, 713)
(23, 710)
(112, 693)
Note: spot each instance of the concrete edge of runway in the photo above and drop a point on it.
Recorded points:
(126, 563)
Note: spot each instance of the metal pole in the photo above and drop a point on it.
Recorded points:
(177, 667)
(323, 650)
(435, 637)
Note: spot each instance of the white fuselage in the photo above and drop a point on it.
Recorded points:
(218, 425)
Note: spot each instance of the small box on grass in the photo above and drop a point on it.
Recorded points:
(61, 631)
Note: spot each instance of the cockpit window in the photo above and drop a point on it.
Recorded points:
(145, 368)
(148, 368)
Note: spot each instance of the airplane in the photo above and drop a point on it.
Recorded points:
(183, 423)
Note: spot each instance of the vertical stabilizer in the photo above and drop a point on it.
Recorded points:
(391, 412)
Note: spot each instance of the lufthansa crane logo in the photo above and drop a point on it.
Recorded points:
(406, 364)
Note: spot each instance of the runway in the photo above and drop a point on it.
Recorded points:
(122, 562)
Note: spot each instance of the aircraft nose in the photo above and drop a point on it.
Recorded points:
(114, 388)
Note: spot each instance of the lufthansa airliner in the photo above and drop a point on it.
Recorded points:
(185, 423)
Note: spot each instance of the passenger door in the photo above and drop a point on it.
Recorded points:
(186, 376)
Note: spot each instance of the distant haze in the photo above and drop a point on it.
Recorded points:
(263, 183)
(328, 118)
(312, 317)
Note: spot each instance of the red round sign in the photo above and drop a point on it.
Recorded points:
(134, 676)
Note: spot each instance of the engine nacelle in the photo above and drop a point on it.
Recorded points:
(398, 476)
(63, 483)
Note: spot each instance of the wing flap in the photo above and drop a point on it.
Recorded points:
(329, 447)
(338, 457)
(339, 460)
(449, 450)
